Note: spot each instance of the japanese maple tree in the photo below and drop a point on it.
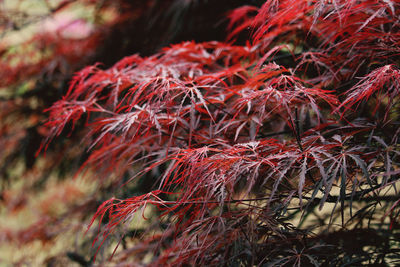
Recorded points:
(278, 146)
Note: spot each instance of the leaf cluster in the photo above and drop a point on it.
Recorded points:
(238, 139)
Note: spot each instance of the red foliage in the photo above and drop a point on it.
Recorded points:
(201, 117)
